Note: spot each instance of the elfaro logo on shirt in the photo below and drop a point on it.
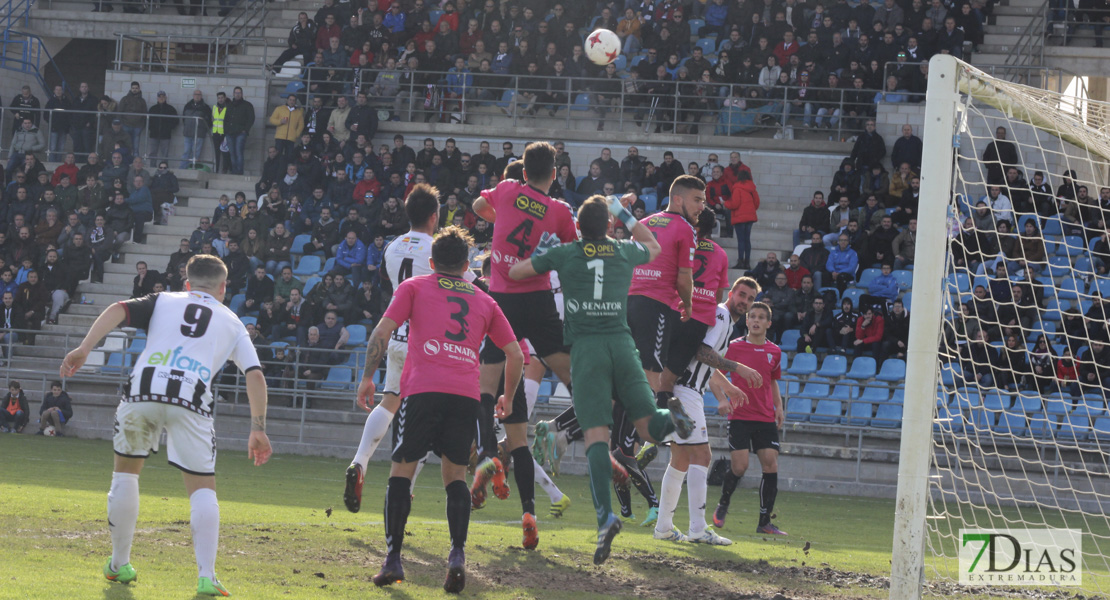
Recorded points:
(431, 347)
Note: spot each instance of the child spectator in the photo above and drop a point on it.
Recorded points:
(14, 413)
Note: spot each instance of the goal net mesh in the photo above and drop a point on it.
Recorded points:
(1022, 431)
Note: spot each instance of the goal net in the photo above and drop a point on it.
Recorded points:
(1007, 424)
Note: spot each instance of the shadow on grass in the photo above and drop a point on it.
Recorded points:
(117, 591)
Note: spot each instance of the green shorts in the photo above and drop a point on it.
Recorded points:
(604, 368)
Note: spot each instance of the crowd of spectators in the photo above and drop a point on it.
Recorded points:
(55, 410)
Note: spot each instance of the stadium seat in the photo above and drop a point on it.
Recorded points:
(292, 88)
(959, 282)
(835, 293)
(621, 62)
(1056, 404)
(814, 390)
(1028, 403)
(1071, 288)
(1074, 429)
(298, 244)
(899, 396)
(799, 409)
(982, 420)
(951, 375)
(833, 366)
(827, 412)
(1073, 246)
(888, 416)
(338, 378)
(1053, 310)
(859, 414)
(893, 370)
(581, 102)
(844, 391)
(996, 402)
(866, 277)
(789, 388)
(804, 364)
(1059, 266)
(1011, 423)
(506, 99)
(311, 283)
(637, 59)
(1101, 430)
(1043, 426)
(308, 265)
(708, 46)
(357, 335)
(248, 321)
(966, 401)
(1052, 227)
(862, 368)
(948, 420)
(875, 394)
(904, 279)
(695, 26)
(907, 300)
(710, 403)
(1103, 287)
(237, 302)
(433, 16)
(853, 294)
(789, 340)
(329, 264)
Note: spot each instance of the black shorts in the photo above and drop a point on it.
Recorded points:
(532, 315)
(685, 341)
(435, 421)
(752, 435)
(652, 324)
(520, 403)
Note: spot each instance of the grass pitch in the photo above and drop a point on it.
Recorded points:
(286, 534)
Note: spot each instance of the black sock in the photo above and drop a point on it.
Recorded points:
(661, 398)
(524, 470)
(458, 512)
(567, 422)
(624, 497)
(768, 489)
(728, 486)
(398, 502)
(643, 485)
(487, 439)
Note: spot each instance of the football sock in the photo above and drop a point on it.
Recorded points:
(546, 483)
(660, 425)
(669, 491)
(768, 489)
(623, 437)
(601, 474)
(661, 398)
(458, 512)
(532, 393)
(697, 487)
(642, 481)
(487, 438)
(525, 475)
(372, 433)
(624, 498)
(205, 522)
(728, 486)
(123, 514)
(398, 502)
(566, 419)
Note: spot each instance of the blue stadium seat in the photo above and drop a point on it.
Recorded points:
(875, 394)
(893, 370)
(853, 294)
(866, 277)
(1011, 423)
(621, 62)
(789, 388)
(433, 16)
(506, 99)
(859, 414)
(1059, 266)
(237, 302)
(845, 391)
(1052, 227)
(862, 368)
(708, 46)
(789, 340)
(827, 412)
(904, 279)
(1028, 403)
(799, 409)
(1101, 430)
(982, 420)
(307, 266)
(948, 420)
(248, 321)
(1073, 246)
(636, 60)
(581, 102)
(1043, 426)
(1057, 404)
(907, 300)
(996, 402)
(292, 88)
(338, 378)
(329, 264)
(833, 366)
(966, 401)
(357, 335)
(1071, 289)
(311, 283)
(710, 403)
(1053, 310)
(299, 242)
(696, 25)
(888, 416)
(814, 390)
(1074, 429)
(959, 282)
(1103, 287)
(804, 364)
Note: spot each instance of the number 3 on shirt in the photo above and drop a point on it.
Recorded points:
(459, 317)
(519, 237)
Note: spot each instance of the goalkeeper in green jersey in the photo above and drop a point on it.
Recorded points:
(596, 272)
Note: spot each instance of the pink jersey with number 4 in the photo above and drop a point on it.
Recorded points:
(445, 333)
(766, 359)
(658, 279)
(710, 274)
(524, 214)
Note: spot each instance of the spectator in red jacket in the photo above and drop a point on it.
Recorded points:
(869, 332)
(717, 194)
(795, 272)
(743, 204)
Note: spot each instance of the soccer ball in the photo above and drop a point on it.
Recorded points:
(602, 47)
(49, 430)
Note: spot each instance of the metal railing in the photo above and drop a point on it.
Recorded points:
(246, 19)
(1046, 78)
(88, 135)
(1068, 23)
(179, 54)
(1029, 49)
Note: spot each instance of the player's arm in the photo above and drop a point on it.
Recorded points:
(484, 209)
(723, 388)
(685, 287)
(514, 367)
(258, 444)
(780, 414)
(375, 350)
(523, 270)
(708, 356)
(640, 233)
(108, 320)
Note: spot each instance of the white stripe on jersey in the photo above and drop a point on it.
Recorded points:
(190, 336)
(696, 376)
(408, 256)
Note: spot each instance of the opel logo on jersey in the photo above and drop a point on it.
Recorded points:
(572, 305)
(534, 208)
(431, 347)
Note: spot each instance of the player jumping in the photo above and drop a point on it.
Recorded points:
(755, 425)
(596, 272)
(448, 319)
(190, 335)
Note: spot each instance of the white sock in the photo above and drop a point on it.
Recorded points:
(669, 491)
(697, 486)
(547, 484)
(532, 393)
(372, 433)
(123, 513)
(419, 468)
(205, 521)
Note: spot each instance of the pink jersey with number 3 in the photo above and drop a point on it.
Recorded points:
(657, 279)
(766, 359)
(523, 215)
(445, 333)
(710, 274)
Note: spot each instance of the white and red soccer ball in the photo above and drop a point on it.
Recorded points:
(602, 47)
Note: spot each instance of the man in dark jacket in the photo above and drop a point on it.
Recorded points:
(197, 125)
(869, 148)
(363, 119)
(77, 260)
(82, 122)
(163, 120)
(302, 42)
(817, 327)
(273, 170)
(1000, 155)
(25, 105)
(238, 265)
(10, 318)
(32, 298)
(57, 106)
(237, 125)
(907, 149)
(56, 410)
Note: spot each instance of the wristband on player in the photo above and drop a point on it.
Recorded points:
(621, 213)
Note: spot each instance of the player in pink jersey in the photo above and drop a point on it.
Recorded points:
(440, 386)
(524, 215)
(755, 425)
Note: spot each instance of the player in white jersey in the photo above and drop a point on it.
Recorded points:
(190, 335)
(406, 256)
(690, 457)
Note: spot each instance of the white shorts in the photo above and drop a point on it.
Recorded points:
(395, 355)
(694, 405)
(190, 437)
